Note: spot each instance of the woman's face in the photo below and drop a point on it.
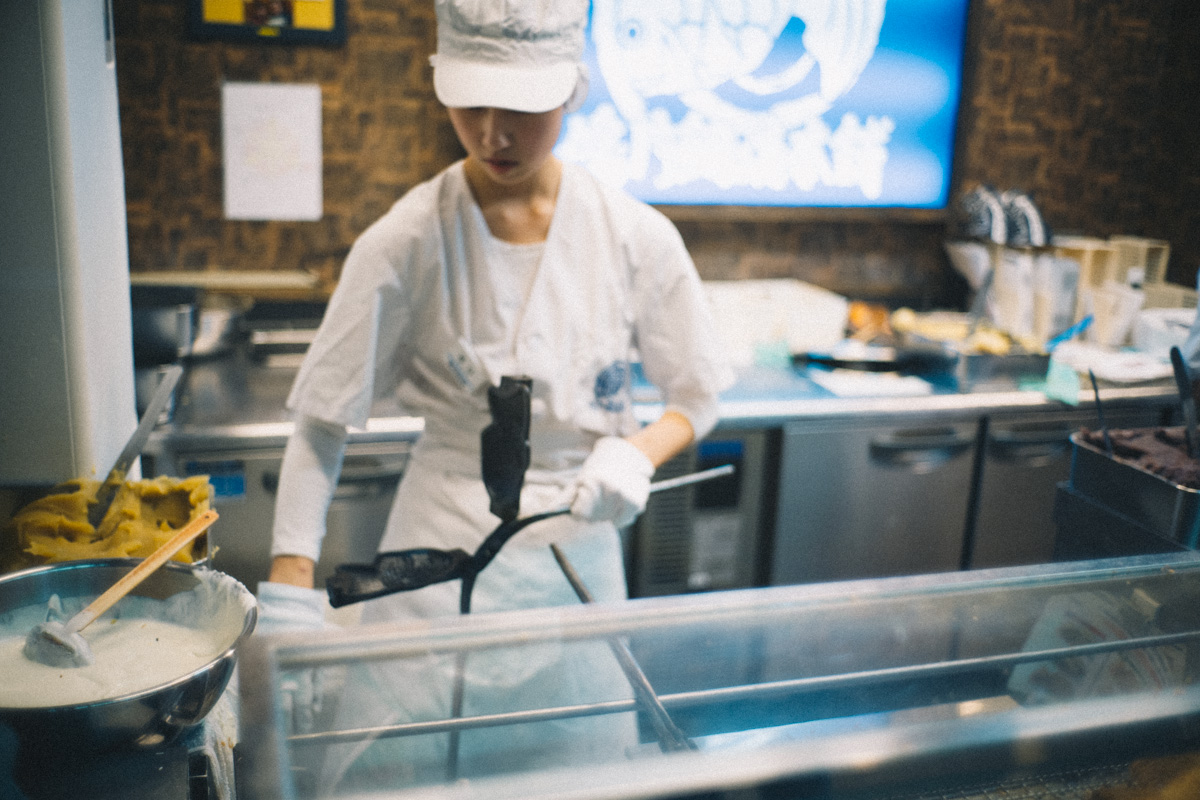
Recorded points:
(511, 147)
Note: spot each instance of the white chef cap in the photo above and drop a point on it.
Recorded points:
(522, 55)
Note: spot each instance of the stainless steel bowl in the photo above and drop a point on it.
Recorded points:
(150, 718)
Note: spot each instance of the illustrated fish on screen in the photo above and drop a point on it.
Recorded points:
(701, 88)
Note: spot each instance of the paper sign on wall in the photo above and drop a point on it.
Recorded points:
(271, 143)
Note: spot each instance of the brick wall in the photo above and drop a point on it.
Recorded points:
(1084, 103)
(382, 131)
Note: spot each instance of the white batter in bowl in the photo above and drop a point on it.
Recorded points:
(164, 654)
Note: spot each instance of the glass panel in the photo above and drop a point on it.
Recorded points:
(905, 667)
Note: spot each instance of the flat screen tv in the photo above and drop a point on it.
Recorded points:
(817, 103)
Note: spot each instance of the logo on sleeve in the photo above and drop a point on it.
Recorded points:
(610, 386)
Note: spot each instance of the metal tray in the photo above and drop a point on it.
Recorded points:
(982, 369)
(1161, 506)
(973, 369)
(1087, 529)
(1080, 784)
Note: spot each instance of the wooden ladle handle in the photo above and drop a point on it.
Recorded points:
(139, 573)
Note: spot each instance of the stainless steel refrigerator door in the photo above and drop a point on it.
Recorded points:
(709, 536)
(1026, 457)
(66, 396)
(860, 501)
(245, 482)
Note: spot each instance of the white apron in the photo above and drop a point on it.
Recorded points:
(523, 575)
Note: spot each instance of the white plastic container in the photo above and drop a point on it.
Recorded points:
(790, 315)
(1115, 307)
(1157, 330)
(1056, 280)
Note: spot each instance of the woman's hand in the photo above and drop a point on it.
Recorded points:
(614, 482)
(664, 438)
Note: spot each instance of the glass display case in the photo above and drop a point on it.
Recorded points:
(1065, 677)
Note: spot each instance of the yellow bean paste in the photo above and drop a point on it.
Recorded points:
(144, 514)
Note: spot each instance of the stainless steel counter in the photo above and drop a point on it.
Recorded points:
(774, 397)
(865, 513)
(237, 400)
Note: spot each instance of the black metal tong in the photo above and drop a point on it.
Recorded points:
(505, 454)
(505, 458)
(406, 570)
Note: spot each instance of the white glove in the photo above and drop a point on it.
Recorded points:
(613, 484)
(285, 608)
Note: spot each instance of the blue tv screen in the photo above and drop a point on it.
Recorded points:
(844, 103)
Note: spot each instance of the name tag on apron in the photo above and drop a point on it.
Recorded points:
(466, 366)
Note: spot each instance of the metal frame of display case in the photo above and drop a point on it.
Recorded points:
(863, 732)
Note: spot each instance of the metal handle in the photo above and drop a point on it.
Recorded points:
(1032, 447)
(133, 448)
(351, 478)
(920, 449)
(691, 477)
(785, 688)
(670, 737)
(661, 486)
(1187, 400)
(1108, 448)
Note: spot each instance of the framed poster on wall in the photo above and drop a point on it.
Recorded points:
(294, 21)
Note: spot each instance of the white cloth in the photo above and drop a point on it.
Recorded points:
(444, 511)
(282, 609)
(425, 308)
(501, 297)
(613, 484)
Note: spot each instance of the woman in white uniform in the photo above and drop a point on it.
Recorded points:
(509, 262)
